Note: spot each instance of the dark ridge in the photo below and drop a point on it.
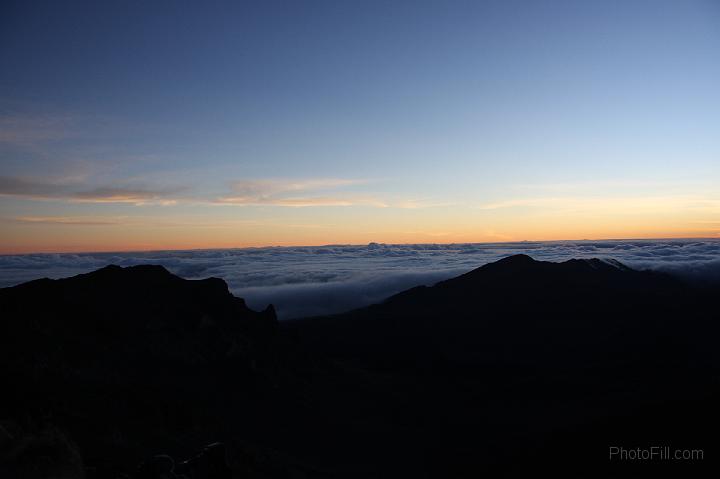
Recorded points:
(523, 366)
(135, 351)
(516, 259)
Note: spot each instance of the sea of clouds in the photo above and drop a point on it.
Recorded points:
(313, 280)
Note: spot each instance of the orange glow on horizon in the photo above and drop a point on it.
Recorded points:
(146, 246)
(538, 219)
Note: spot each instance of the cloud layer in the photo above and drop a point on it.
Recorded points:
(295, 193)
(272, 192)
(303, 281)
(61, 189)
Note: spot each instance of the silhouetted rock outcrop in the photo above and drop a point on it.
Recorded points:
(128, 358)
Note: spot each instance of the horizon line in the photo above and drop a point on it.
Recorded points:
(156, 250)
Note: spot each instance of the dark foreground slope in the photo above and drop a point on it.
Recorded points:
(123, 361)
(101, 370)
(516, 368)
(524, 366)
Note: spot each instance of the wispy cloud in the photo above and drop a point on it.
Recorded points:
(297, 193)
(269, 187)
(619, 204)
(138, 220)
(72, 191)
(30, 187)
(290, 193)
(127, 195)
(66, 220)
(302, 202)
(314, 192)
(303, 193)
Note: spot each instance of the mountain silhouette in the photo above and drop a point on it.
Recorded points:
(516, 368)
(521, 306)
(132, 361)
(522, 366)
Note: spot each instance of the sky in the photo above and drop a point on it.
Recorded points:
(175, 125)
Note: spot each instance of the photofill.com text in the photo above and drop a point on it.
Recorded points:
(655, 453)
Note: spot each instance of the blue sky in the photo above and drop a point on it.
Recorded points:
(140, 125)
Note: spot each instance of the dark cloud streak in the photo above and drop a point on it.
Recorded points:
(48, 189)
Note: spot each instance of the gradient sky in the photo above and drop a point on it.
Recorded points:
(163, 125)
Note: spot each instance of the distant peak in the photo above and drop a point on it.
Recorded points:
(140, 272)
(510, 264)
(519, 264)
(517, 259)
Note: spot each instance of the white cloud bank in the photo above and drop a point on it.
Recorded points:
(304, 281)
